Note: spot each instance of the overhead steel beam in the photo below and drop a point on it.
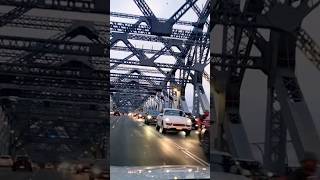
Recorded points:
(86, 6)
(57, 46)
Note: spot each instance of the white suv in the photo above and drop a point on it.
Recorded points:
(173, 119)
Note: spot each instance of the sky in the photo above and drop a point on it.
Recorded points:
(254, 87)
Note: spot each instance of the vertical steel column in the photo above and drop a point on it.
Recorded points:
(275, 130)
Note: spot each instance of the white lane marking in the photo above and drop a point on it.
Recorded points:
(116, 122)
(185, 151)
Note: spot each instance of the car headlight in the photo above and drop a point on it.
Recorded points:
(189, 121)
(149, 117)
(167, 119)
(96, 171)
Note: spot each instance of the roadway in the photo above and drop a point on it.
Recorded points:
(43, 174)
(135, 144)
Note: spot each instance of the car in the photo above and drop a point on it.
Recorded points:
(204, 134)
(193, 119)
(173, 119)
(151, 117)
(6, 161)
(140, 115)
(99, 170)
(22, 162)
(116, 113)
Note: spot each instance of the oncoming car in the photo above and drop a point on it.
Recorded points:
(173, 119)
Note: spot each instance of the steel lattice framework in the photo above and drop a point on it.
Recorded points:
(54, 89)
(286, 107)
(191, 57)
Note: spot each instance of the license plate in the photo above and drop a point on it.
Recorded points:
(179, 128)
(21, 166)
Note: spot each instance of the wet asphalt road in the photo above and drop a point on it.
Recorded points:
(135, 144)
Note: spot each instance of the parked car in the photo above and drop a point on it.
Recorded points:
(99, 170)
(151, 117)
(22, 163)
(204, 123)
(173, 119)
(6, 161)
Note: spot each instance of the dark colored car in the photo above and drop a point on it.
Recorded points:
(204, 133)
(22, 163)
(141, 115)
(116, 113)
(151, 117)
(193, 119)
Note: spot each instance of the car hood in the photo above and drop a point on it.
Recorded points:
(159, 172)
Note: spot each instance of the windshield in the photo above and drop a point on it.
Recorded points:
(173, 113)
(154, 113)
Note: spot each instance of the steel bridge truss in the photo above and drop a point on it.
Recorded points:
(286, 107)
(53, 88)
(191, 57)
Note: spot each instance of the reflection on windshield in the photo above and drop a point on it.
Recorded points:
(173, 113)
(154, 113)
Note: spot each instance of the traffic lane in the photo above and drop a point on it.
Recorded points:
(190, 143)
(114, 120)
(43, 174)
(7, 173)
(134, 144)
